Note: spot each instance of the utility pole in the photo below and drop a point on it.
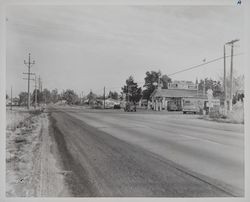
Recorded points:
(29, 64)
(204, 87)
(104, 97)
(231, 79)
(11, 98)
(225, 80)
(204, 84)
(197, 86)
(231, 73)
(39, 83)
(45, 99)
(127, 93)
(31, 79)
(35, 93)
(39, 88)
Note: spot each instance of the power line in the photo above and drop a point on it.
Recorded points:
(202, 64)
(192, 67)
(180, 71)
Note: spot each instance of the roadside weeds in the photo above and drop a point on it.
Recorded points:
(31, 166)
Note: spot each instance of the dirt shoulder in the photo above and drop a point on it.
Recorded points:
(32, 167)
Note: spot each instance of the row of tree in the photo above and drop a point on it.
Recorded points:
(130, 91)
(44, 96)
(152, 79)
(133, 93)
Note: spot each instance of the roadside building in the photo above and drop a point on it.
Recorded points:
(188, 85)
(174, 97)
(111, 103)
(15, 102)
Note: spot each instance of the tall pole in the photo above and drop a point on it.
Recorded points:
(39, 88)
(35, 93)
(11, 98)
(127, 94)
(204, 87)
(104, 97)
(29, 83)
(39, 83)
(224, 81)
(231, 74)
(231, 79)
(204, 84)
(45, 99)
(28, 64)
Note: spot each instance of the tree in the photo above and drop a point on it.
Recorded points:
(23, 99)
(33, 96)
(70, 96)
(54, 95)
(165, 81)
(113, 95)
(46, 96)
(91, 97)
(152, 78)
(211, 84)
(216, 86)
(238, 83)
(131, 90)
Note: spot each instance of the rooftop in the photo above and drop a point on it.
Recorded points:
(177, 93)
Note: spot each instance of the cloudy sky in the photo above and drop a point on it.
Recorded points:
(89, 47)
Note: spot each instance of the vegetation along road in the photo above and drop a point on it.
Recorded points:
(113, 153)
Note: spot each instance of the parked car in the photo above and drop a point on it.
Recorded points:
(192, 106)
(129, 107)
(117, 106)
(172, 106)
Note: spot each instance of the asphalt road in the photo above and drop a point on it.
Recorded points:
(113, 153)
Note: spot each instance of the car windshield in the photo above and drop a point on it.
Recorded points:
(188, 103)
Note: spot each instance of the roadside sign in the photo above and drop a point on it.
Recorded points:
(209, 94)
(215, 102)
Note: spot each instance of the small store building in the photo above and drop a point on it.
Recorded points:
(162, 99)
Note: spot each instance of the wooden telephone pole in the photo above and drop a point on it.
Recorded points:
(104, 97)
(29, 64)
(231, 73)
(11, 99)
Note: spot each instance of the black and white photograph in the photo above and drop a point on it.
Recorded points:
(124, 100)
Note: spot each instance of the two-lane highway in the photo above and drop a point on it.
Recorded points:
(112, 153)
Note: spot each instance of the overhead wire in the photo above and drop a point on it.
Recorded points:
(187, 69)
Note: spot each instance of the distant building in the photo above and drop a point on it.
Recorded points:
(15, 102)
(110, 103)
(173, 98)
(189, 85)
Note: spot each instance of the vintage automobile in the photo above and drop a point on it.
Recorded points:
(129, 107)
(172, 106)
(191, 106)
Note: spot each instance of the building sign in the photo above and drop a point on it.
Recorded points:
(210, 97)
(214, 103)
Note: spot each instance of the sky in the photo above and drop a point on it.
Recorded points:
(88, 47)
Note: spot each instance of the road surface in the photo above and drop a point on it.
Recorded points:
(113, 153)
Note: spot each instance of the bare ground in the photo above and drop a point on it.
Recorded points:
(31, 166)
